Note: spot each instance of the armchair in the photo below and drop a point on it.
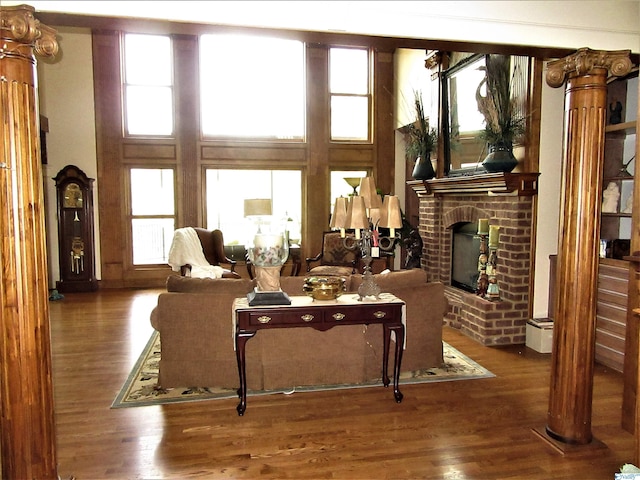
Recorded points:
(334, 258)
(185, 257)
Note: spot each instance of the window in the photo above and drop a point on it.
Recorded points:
(227, 190)
(148, 85)
(252, 87)
(152, 214)
(349, 88)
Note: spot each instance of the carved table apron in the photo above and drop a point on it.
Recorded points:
(321, 315)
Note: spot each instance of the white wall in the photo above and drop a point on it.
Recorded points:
(66, 99)
(551, 128)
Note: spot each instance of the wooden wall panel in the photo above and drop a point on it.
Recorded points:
(151, 151)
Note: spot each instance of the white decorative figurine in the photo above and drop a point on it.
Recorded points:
(610, 198)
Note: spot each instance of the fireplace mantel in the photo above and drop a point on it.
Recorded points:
(521, 184)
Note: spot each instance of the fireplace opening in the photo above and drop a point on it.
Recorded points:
(465, 250)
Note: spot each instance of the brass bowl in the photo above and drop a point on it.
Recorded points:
(324, 288)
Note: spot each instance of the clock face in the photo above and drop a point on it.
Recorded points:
(72, 196)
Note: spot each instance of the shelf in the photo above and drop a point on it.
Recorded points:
(626, 127)
(614, 262)
(618, 215)
(522, 184)
(619, 179)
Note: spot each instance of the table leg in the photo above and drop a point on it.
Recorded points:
(398, 362)
(241, 340)
(386, 340)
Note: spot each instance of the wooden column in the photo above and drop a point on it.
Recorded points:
(27, 437)
(571, 392)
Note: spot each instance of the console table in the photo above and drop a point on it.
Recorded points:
(321, 315)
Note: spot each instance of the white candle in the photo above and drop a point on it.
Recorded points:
(494, 232)
(483, 226)
(357, 234)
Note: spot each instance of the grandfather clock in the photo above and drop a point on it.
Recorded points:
(75, 231)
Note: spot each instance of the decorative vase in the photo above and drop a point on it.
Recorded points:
(500, 158)
(423, 169)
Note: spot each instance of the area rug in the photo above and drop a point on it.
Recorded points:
(141, 387)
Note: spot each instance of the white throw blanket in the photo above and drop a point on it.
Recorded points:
(187, 249)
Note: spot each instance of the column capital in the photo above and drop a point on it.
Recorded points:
(18, 25)
(585, 61)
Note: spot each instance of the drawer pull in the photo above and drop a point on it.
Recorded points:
(307, 317)
(338, 316)
(379, 314)
(264, 319)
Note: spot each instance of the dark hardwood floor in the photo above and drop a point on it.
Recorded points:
(474, 429)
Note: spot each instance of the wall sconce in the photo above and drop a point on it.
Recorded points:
(268, 250)
(364, 214)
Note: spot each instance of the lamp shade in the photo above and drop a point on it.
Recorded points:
(369, 192)
(339, 217)
(257, 207)
(390, 216)
(356, 214)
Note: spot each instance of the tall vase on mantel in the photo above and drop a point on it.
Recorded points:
(423, 168)
(500, 158)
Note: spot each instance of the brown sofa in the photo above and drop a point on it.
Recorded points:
(194, 318)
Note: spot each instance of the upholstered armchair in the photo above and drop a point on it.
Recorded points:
(212, 243)
(335, 258)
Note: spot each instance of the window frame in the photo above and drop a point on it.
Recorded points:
(131, 217)
(124, 89)
(207, 137)
(369, 95)
(265, 168)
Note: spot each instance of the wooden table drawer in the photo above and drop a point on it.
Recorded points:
(343, 314)
(284, 317)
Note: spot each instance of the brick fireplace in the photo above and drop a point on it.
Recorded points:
(507, 200)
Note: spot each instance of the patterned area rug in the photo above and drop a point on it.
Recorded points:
(141, 388)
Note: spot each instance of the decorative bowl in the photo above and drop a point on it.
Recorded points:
(324, 288)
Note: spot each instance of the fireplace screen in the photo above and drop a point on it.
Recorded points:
(464, 256)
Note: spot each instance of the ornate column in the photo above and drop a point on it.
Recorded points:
(27, 437)
(571, 392)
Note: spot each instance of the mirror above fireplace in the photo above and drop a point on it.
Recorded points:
(462, 122)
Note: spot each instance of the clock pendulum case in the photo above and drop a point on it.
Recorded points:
(74, 192)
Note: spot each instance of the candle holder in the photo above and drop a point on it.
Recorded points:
(483, 279)
(493, 291)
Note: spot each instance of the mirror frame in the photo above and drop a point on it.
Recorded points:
(521, 87)
(446, 114)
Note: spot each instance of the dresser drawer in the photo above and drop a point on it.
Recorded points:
(285, 317)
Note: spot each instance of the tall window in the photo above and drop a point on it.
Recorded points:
(225, 200)
(252, 87)
(148, 85)
(350, 94)
(152, 214)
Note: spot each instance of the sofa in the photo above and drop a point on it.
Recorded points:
(194, 318)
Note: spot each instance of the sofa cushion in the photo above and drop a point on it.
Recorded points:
(228, 286)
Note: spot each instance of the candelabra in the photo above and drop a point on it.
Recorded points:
(365, 214)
